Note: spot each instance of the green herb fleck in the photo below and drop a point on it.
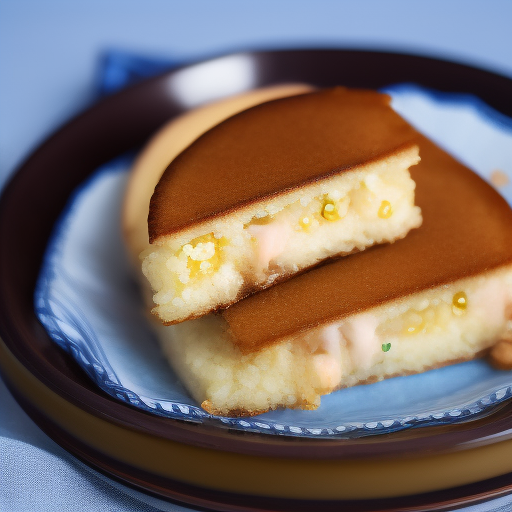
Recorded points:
(386, 347)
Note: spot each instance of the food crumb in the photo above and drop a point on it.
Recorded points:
(499, 178)
(501, 355)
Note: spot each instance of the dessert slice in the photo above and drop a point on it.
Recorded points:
(443, 294)
(274, 190)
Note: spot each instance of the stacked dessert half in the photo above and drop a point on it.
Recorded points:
(300, 246)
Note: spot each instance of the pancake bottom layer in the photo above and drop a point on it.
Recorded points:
(451, 323)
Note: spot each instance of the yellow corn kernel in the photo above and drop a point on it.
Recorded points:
(385, 210)
(459, 303)
(201, 265)
(260, 221)
(305, 222)
(329, 211)
(414, 323)
(194, 266)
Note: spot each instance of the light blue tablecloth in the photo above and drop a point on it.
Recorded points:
(50, 53)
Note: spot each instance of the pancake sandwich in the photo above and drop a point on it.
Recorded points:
(441, 295)
(274, 190)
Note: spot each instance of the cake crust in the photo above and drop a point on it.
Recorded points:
(169, 142)
(274, 148)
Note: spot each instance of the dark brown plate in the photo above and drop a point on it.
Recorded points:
(37, 193)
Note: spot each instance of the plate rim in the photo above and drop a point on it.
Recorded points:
(173, 490)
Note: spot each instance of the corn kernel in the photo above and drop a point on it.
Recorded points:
(414, 323)
(194, 266)
(305, 222)
(329, 211)
(459, 303)
(385, 210)
(261, 220)
(201, 259)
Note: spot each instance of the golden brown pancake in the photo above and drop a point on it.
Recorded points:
(169, 142)
(271, 149)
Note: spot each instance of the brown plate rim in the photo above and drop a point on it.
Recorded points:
(210, 499)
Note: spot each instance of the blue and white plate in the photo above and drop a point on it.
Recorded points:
(90, 305)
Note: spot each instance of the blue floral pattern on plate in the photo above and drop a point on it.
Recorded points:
(89, 303)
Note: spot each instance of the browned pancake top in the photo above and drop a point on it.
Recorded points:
(272, 148)
(466, 230)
